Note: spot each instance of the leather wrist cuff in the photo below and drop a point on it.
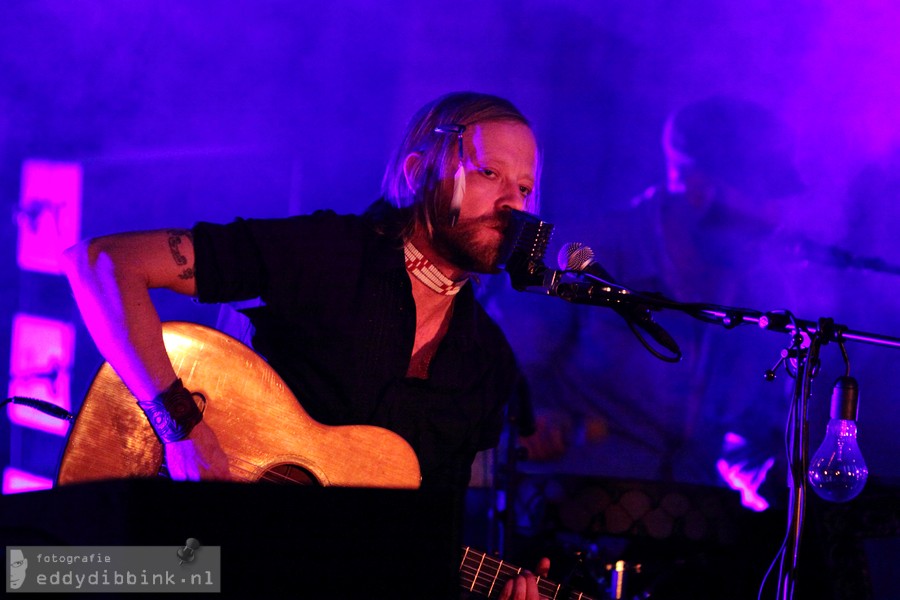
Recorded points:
(173, 413)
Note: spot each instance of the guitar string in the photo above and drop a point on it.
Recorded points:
(545, 589)
(268, 475)
(473, 571)
(477, 571)
(492, 584)
(486, 583)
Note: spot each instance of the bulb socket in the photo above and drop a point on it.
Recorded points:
(845, 399)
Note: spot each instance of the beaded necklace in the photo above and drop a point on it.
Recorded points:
(425, 271)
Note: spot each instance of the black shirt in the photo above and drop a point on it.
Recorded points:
(338, 324)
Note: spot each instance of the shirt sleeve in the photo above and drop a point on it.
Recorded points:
(271, 257)
(228, 264)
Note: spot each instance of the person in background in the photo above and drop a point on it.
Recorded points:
(711, 232)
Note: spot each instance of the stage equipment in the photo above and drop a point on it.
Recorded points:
(592, 285)
(577, 258)
(838, 471)
(580, 280)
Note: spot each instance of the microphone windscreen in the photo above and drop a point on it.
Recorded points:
(522, 251)
(526, 235)
(575, 256)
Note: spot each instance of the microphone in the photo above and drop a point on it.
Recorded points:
(522, 253)
(579, 258)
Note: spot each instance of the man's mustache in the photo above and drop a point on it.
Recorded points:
(499, 221)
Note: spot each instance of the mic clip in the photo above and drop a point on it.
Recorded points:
(587, 290)
(529, 275)
(634, 309)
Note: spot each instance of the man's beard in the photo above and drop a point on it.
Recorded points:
(463, 247)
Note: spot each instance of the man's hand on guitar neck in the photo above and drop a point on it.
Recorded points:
(199, 457)
(524, 586)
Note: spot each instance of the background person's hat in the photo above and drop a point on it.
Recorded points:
(739, 142)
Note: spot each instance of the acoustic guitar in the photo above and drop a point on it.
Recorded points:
(263, 433)
(254, 419)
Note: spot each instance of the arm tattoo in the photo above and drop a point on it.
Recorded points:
(175, 236)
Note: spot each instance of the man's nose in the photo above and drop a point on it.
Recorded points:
(511, 197)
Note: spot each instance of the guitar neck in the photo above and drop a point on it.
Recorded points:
(486, 575)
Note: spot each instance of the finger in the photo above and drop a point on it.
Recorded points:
(521, 587)
(507, 591)
(543, 567)
(529, 587)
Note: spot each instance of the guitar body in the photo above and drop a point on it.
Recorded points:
(262, 432)
(250, 415)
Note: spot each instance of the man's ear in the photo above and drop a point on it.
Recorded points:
(412, 170)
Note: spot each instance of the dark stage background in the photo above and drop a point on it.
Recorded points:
(183, 111)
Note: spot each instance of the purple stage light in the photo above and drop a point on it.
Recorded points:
(16, 481)
(40, 367)
(49, 214)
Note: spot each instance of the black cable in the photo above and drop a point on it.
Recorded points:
(674, 358)
(42, 405)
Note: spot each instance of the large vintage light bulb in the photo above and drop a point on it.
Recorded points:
(837, 471)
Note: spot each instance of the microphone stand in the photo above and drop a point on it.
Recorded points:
(798, 460)
(807, 339)
(523, 252)
(807, 358)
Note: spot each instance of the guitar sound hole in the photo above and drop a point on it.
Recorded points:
(288, 473)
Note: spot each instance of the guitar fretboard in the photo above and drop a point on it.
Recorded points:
(486, 575)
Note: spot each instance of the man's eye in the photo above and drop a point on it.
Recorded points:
(18, 563)
(525, 190)
(488, 173)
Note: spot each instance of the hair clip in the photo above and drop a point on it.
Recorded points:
(459, 178)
